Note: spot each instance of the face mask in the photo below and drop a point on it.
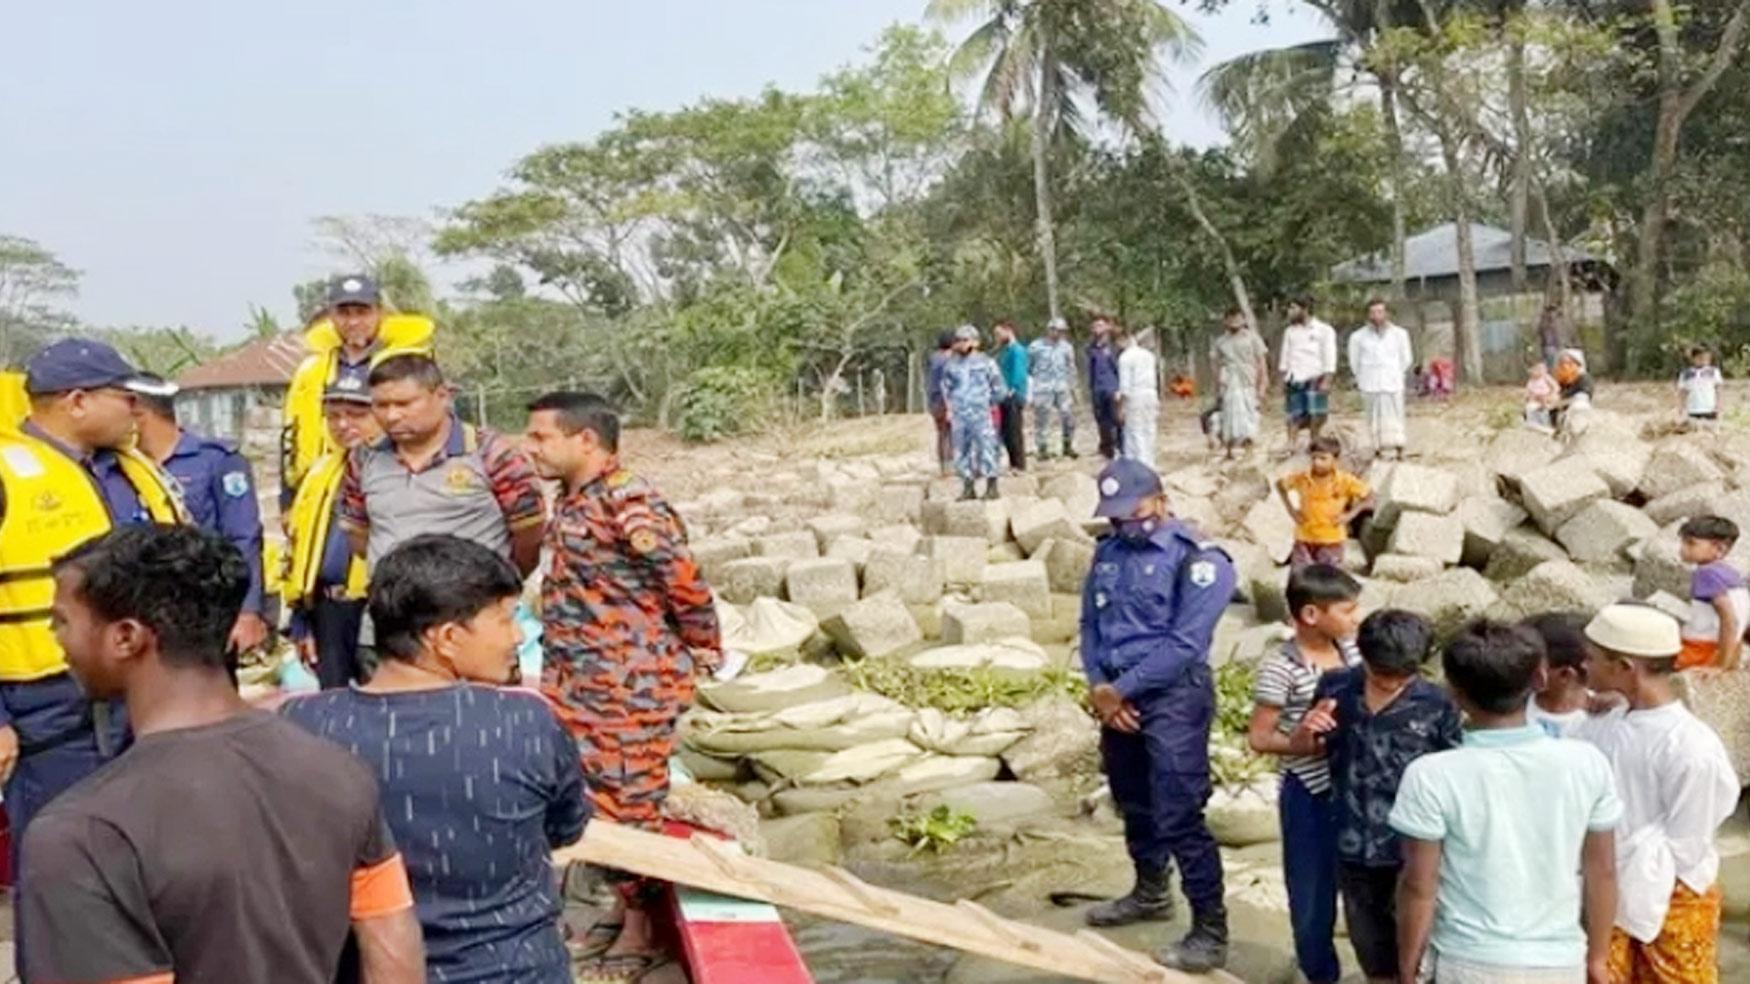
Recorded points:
(1136, 531)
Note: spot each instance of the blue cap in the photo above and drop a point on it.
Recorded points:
(77, 364)
(1124, 484)
(353, 289)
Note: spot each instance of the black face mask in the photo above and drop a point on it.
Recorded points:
(1136, 531)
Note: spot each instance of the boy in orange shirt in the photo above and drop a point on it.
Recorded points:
(1326, 500)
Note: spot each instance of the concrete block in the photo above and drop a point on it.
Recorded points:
(753, 577)
(823, 586)
(1401, 569)
(915, 578)
(1422, 534)
(877, 626)
(1604, 530)
(1516, 452)
(1722, 701)
(1487, 520)
(1518, 552)
(1004, 553)
(830, 527)
(796, 545)
(1678, 465)
(711, 553)
(1621, 460)
(1076, 490)
(1450, 598)
(1556, 493)
(1023, 584)
(962, 557)
(898, 503)
(899, 536)
(1680, 505)
(1269, 526)
(1557, 586)
(1066, 563)
(1017, 486)
(852, 548)
(984, 518)
(981, 623)
(1270, 594)
(1416, 488)
(1042, 520)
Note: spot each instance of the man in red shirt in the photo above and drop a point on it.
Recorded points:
(626, 622)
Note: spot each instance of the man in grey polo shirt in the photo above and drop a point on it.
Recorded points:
(432, 473)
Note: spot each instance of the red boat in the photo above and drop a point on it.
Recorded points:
(722, 940)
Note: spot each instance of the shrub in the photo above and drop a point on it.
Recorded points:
(722, 401)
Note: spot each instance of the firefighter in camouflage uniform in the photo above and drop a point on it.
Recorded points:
(626, 622)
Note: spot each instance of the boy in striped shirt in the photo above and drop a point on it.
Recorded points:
(1322, 601)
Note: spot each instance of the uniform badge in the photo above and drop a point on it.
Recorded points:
(1203, 573)
(643, 541)
(236, 485)
(1109, 487)
(460, 480)
(619, 479)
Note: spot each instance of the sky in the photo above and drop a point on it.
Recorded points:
(175, 152)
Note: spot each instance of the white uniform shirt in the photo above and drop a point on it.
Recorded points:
(1677, 786)
(1138, 381)
(1308, 351)
(1380, 359)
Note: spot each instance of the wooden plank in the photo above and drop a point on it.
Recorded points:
(702, 863)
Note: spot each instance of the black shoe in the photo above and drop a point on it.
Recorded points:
(967, 491)
(1071, 455)
(1203, 949)
(990, 490)
(1148, 901)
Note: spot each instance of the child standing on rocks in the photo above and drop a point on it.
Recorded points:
(1719, 606)
(1698, 388)
(1323, 601)
(1494, 831)
(1676, 785)
(1561, 698)
(1372, 722)
(1326, 500)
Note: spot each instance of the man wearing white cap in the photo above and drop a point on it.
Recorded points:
(972, 387)
(1676, 785)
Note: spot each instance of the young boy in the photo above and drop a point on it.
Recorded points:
(1322, 601)
(1329, 499)
(1494, 831)
(1676, 785)
(1698, 388)
(1719, 606)
(1372, 722)
(1559, 702)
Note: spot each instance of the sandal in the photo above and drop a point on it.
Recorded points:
(596, 940)
(624, 969)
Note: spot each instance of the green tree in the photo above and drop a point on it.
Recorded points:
(32, 281)
(1042, 56)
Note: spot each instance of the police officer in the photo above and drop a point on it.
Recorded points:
(1103, 385)
(67, 473)
(1149, 610)
(217, 487)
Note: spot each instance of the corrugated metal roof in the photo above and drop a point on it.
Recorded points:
(1434, 253)
(263, 362)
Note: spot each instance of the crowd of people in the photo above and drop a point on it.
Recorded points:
(412, 844)
(1547, 816)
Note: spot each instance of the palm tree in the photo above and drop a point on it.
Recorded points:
(1049, 58)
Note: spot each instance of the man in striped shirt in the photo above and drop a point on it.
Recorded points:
(1322, 601)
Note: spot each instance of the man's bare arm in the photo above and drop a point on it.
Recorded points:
(391, 949)
(1416, 892)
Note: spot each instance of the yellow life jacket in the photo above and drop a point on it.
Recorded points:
(14, 404)
(307, 526)
(304, 437)
(52, 506)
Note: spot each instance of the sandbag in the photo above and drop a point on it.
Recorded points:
(829, 725)
(786, 687)
(989, 732)
(864, 764)
(1010, 656)
(767, 627)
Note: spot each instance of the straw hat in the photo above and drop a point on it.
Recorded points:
(1635, 630)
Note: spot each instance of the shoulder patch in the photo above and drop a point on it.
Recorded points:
(642, 541)
(1202, 573)
(619, 479)
(235, 484)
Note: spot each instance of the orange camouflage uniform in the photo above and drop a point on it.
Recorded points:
(626, 620)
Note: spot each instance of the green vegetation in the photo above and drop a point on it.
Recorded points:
(935, 831)
(963, 691)
(1231, 760)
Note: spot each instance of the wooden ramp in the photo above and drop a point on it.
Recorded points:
(716, 866)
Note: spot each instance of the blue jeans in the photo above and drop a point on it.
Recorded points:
(1309, 866)
(1161, 783)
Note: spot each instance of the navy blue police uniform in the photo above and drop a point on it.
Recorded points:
(1150, 605)
(218, 488)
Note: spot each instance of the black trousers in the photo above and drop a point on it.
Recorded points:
(334, 626)
(1106, 419)
(1012, 412)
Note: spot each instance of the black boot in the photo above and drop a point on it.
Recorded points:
(1204, 948)
(967, 491)
(1069, 452)
(1149, 901)
(990, 488)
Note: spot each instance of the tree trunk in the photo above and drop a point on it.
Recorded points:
(1519, 193)
(1467, 333)
(1236, 280)
(1042, 116)
(1394, 141)
(1561, 284)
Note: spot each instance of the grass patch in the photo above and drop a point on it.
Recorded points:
(935, 831)
(964, 691)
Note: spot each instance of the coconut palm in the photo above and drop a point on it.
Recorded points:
(1050, 59)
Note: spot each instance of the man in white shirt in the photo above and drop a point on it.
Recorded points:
(1676, 785)
(1139, 398)
(1379, 356)
(1307, 363)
